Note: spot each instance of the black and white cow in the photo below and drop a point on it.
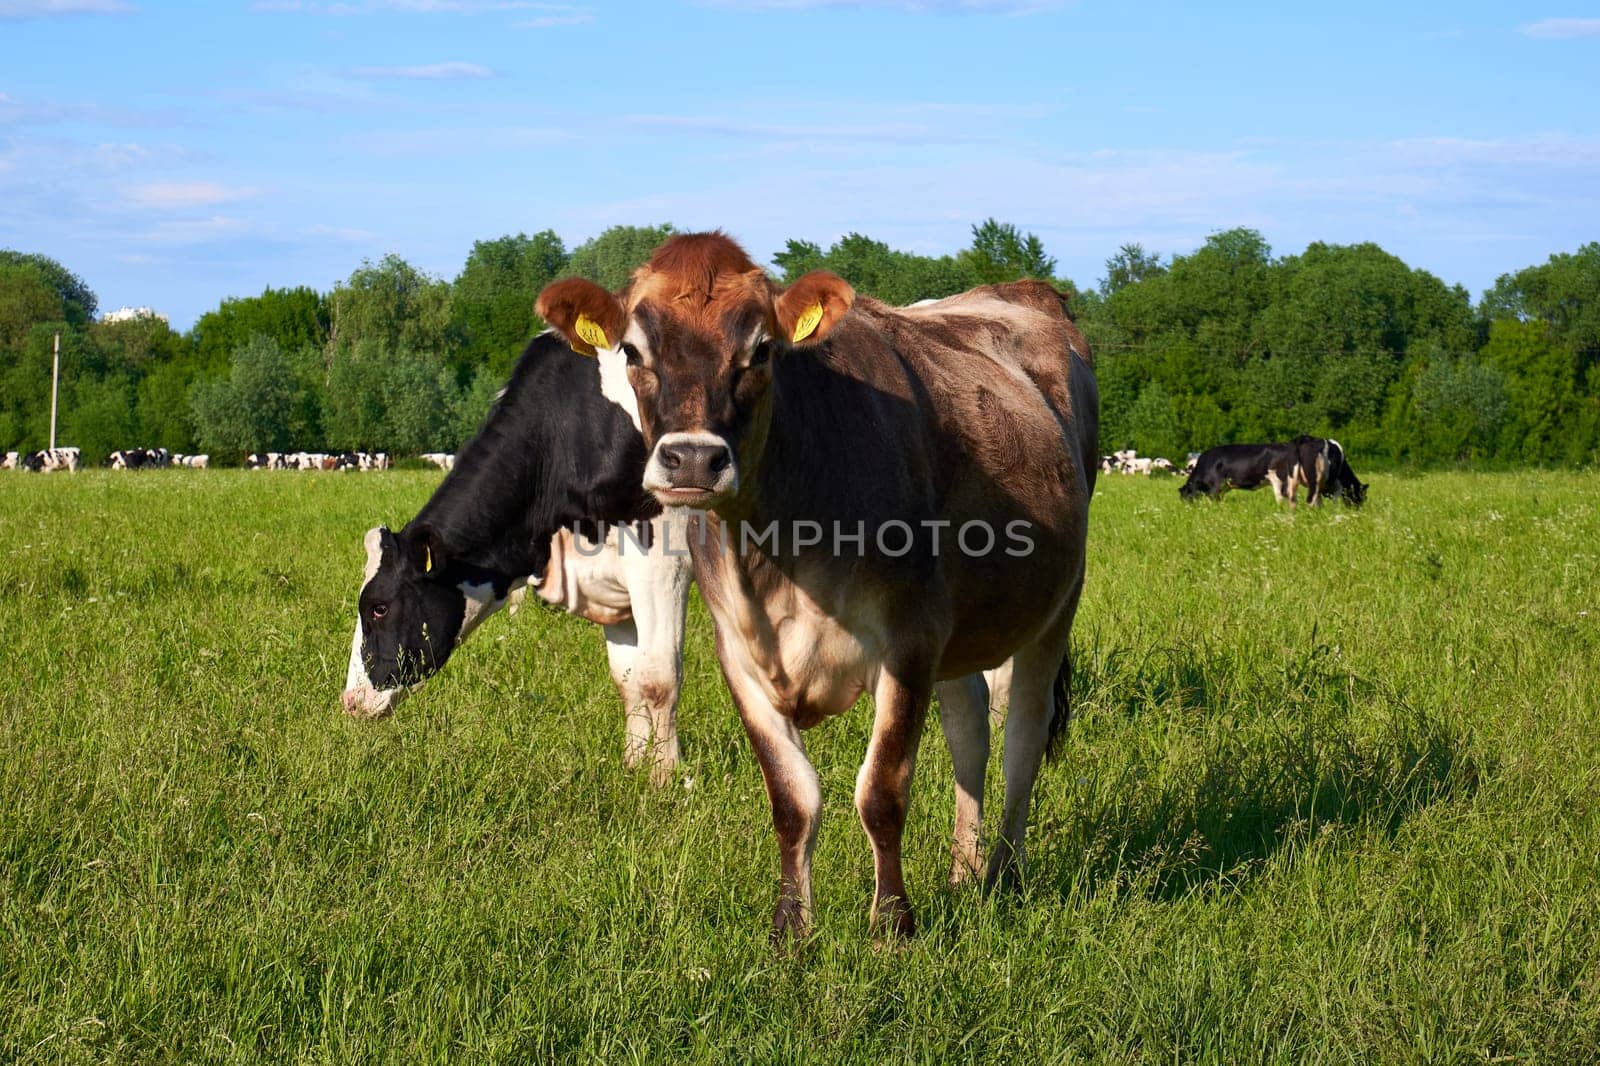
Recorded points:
(50, 460)
(1243, 466)
(1321, 466)
(561, 449)
(442, 460)
(1312, 461)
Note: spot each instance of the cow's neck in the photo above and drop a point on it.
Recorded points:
(554, 453)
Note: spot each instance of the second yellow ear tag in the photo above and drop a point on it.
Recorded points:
(589, 331)
(806, 324)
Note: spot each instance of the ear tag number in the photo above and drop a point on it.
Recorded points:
(806, 324)
(589, 331)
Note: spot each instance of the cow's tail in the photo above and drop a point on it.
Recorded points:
(1060, 709)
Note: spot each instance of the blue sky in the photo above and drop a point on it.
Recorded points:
(177, 153)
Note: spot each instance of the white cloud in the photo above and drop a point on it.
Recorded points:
(177, 194)
(1563, 28)
(428, 71)
(17, 10)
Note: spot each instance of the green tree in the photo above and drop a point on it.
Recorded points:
(491, 301)
(293, 318)
(390, 304)
(1001, 252)
(610, 259)
(254, 408)
(1460, 404)
(26, 299)
(77, 299)
(1131, 264)
(1563, 293)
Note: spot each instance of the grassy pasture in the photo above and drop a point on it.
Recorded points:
(1332, 794)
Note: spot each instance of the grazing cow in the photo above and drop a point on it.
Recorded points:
(1243, 466)
(1321, 466)
(555, 453)
(777, 411)
(193, 462)
(51, 460)
(442, 460)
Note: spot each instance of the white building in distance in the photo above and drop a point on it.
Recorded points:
(128, 314)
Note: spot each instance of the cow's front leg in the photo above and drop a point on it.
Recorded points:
(658, 589)
(622, 654)
(883, 792)
(796, 798)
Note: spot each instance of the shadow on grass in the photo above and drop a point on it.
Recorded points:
(1258, 761)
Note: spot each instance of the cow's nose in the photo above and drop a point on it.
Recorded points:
(351, 700)
(694, 464)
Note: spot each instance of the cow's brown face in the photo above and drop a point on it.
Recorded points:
(704, 399)
(701, 328)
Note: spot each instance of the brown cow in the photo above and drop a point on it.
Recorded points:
(832, 440)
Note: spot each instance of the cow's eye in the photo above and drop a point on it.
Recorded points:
(379, 610)
(631, 354)
(762, 353)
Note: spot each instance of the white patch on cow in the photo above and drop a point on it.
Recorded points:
(481, 602)
(373, 542)
(614, 384)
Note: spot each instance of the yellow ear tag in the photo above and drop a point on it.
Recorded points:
(806, 324)
(427, 558)
(589, 331)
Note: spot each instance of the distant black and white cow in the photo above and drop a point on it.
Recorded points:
(138, 459)
(561, 449)
(1311, 461)
(1321, 466)
(1243, 466)
(442, 460)
(192, 462)
(265, 461)
(13, 460)
(50, 460)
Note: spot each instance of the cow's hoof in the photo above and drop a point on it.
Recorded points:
(892, 920)
(662, 773)
(791, 926)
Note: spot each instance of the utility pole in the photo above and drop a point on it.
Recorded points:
(55, 387)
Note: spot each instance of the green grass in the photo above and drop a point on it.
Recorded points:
(1332, 794)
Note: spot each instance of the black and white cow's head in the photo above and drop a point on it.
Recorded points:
(416, 605)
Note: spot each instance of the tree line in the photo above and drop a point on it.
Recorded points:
(1226, 343)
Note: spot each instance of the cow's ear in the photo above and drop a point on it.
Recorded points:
(373, 542)
(422, 551)
(588, 316)
(809, 309)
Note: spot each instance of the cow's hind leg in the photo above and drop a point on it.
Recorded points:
(964, 714)
(883, 791)
(1038, 712)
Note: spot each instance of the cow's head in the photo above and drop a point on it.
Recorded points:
(700, 327)
(415, 607)
(1351, 488)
